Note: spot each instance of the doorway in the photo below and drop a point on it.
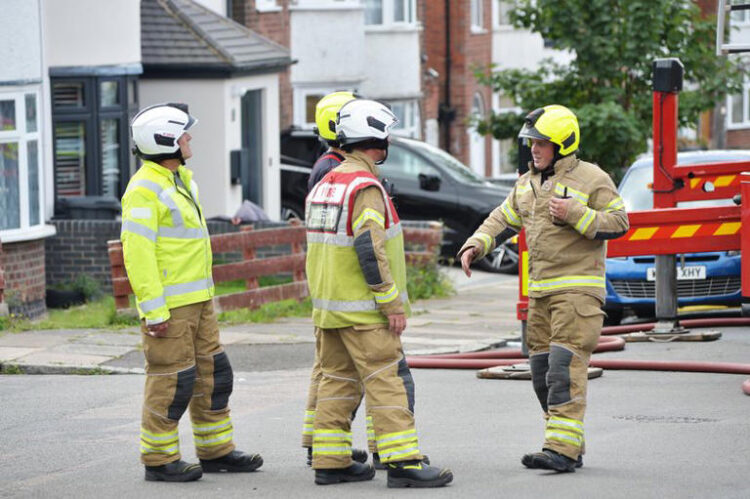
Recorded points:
(251, 173)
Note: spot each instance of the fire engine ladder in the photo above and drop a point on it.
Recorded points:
(724, 11)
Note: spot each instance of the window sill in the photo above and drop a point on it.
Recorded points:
(30, 234)
(738, 127)
(392, 28)
(476, 30)
(268, 9)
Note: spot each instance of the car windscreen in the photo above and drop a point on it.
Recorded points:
(635, 189)
(448, 163)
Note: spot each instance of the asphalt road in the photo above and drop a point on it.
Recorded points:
(659, 435)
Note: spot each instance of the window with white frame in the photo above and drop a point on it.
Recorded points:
(738, 108)
(390, 12)
(477, 15)
(407, 112)
(20, 161)
(305, 100)
(502, 10)
(740, 17)
(267, 6)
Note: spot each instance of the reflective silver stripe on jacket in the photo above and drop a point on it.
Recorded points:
(151, 305)
(349, 306)
(339, 239)
(164, 196)
(136, 228)
(182, 232)
(188, 287)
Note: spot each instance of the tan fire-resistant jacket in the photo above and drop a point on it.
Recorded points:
(371, 199)
(561, 258)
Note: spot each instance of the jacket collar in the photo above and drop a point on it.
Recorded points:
(364, 160)
(562, 165)
(185, 174)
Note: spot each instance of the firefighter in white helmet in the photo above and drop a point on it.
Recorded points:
(569, 209)
(167, 253)
(357, 278)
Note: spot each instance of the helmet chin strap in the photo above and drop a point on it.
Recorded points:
(385, 157)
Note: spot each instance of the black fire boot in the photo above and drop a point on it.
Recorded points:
(357, 472)
(235, 461)
(551, 460)
(176, 471)
(380, 466)
(358, 455)
(417, 474)
(528, 460)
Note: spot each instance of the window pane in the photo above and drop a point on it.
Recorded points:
(68, 94)
(398, 10)
(310, 102)
(504, 7)
(70, 159)
(7, 115)
(30, 113)
(109, 94)
(399, 109)
(737, 108)
(373, 11)
(110, 137)
(32, 148)
(10, 208)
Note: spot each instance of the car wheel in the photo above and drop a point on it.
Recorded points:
(502, 259)
(291, 212)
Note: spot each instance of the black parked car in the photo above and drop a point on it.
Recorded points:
(425, 182)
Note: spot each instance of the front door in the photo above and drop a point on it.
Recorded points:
(252, 143)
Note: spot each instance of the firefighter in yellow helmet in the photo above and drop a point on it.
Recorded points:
(569, 208)
(325, 126)
(167, 253)
(357, 278)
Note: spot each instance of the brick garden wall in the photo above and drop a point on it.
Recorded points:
(24, 265)
(80, 247)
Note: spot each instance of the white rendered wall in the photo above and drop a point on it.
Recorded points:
(20, 41)
(328, 44)
(393, 63)
(92, 32)
(218, 6)
(210, 161)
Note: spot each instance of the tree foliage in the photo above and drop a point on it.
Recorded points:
(608, 82)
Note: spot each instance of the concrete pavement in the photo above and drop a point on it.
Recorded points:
(479, 316)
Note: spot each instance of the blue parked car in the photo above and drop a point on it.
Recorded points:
(702, 278)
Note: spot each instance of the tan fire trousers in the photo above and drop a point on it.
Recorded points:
(561, 332)
(188, 367)
(353, 360)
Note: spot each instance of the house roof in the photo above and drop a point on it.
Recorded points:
(181, 38)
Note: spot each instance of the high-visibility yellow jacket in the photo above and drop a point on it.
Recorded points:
(356, 269)
(165, 241)
(568, 255)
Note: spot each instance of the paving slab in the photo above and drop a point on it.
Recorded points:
(11, 353)
(52, 358)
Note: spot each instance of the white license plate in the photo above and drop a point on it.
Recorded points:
(683, 273)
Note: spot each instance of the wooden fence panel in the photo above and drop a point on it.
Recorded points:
(247, 242)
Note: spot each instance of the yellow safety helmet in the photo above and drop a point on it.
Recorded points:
(555, 123)
(326, 111)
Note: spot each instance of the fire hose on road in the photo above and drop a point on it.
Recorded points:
(508, 356)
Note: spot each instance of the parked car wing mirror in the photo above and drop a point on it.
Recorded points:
(429, 182)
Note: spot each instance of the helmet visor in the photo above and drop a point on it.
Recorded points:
(530, 132)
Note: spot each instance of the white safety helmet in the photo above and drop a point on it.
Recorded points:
(156, 130)
(363, 120)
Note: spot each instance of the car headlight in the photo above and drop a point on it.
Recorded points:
(734, 253)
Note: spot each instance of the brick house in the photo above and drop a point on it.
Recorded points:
(67, 95)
